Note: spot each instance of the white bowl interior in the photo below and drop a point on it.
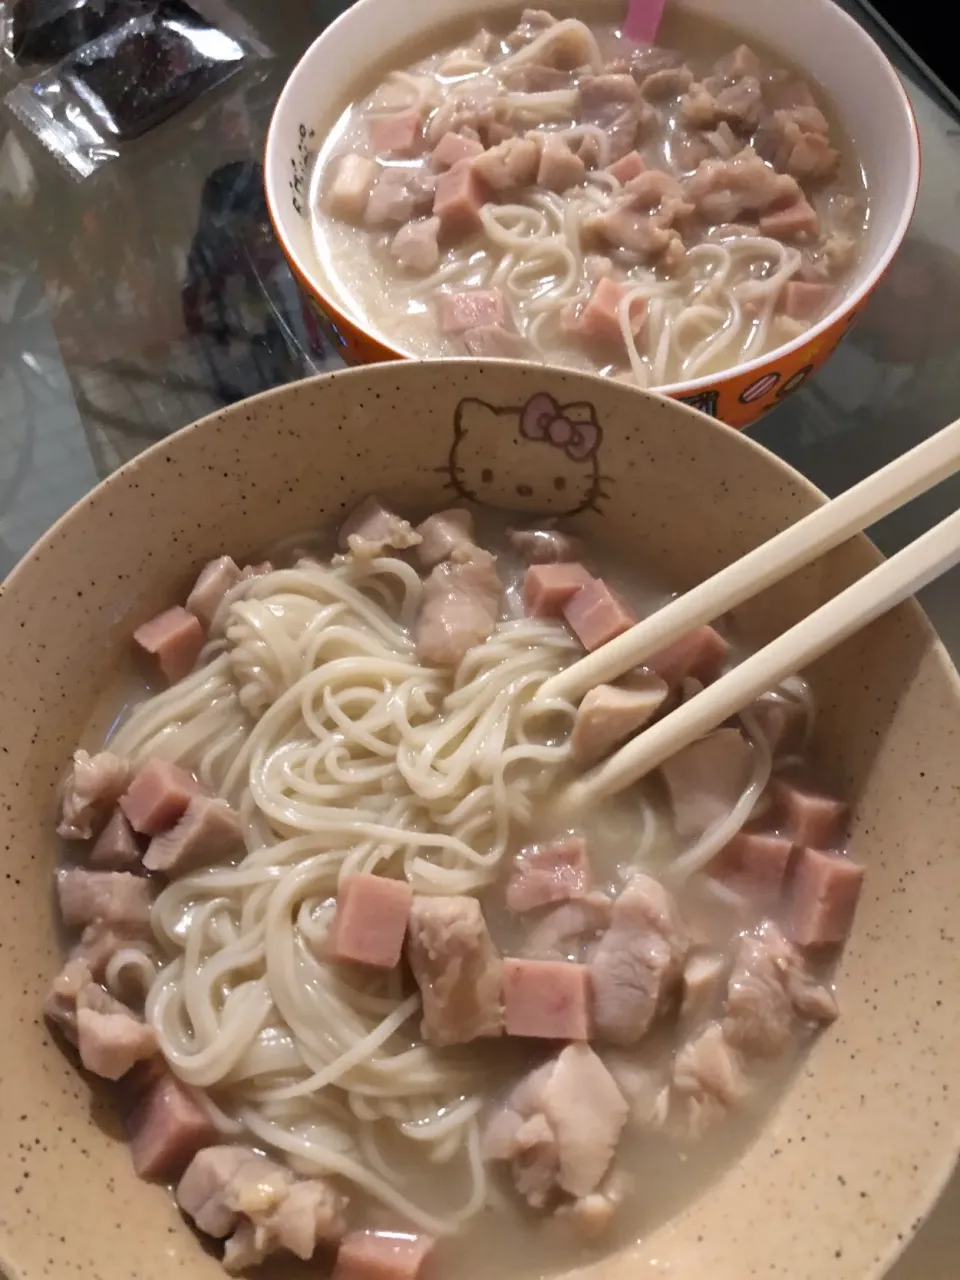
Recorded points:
(817, 35)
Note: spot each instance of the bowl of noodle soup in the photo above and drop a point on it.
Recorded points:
(292, 738)
(706, 216)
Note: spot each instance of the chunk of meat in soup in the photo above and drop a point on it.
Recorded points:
(230, 1190)
(509, 166)
(209, 831)
(213, 583)
(468, 308)
(398, 195)
(158, 796)
(444, 535)
(754, 865)
(725, 190)
(454, 147)
(175, 638)
(416, 246)
(569, 931)
(706, 780)
(309, 1213)
(110, 1038)
(457, 968)
(371, 920)
(548, 588)
(595, 615)
(560, 1127)
(457, 201)
(807, 815)
(166, 1126)
(609, 714)
(700, 654)
(544, 546)
(350, 187)
(382, 1255)
(770, 994)
(372, 529)
(708, 1077)
(546, 999)
(824, 892)
(92, 787)
(116, 847)
(549, 873)
(458, 609)
(636, 965)
(116, 897)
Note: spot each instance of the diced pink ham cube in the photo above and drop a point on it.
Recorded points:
(158, 796)
(166, 1128)
(397, 134)
(554, 872)
(175, 638)
(115, 848)
(462, 311)
(629, 166)
(599, 320)
(213, 583)
(809, 817)
(350, 189)
(371, 920)
(457, 201)
(453, 147)
(823, 898)
(798, 221)
(548, 587)
(595, 614)
(546, 999)
(381, 1255)
(802, 301)
(754, 864)
(208, 831)
(700, 654)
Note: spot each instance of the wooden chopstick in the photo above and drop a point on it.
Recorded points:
(878, 591)
(827, 527)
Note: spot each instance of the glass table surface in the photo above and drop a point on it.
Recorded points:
(108, 342)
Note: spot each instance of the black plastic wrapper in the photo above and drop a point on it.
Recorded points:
(132, 77)
(43, 31)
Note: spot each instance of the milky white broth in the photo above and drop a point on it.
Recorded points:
(662, 1171)
(696, 324)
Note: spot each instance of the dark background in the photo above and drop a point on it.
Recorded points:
(924, 30)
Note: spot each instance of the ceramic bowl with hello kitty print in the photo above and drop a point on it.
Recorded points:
(825, 45)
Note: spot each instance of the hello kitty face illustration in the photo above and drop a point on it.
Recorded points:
(542, 456)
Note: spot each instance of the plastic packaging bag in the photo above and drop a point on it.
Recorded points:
(131, 78)
(43, 31)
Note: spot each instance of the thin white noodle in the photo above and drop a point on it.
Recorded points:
(355, 756)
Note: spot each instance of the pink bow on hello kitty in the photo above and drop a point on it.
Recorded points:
(572, 428)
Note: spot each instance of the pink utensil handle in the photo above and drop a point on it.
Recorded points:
(643, 20)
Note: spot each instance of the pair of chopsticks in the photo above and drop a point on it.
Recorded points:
(870, 597)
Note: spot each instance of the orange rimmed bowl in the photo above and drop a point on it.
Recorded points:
(825, 42)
